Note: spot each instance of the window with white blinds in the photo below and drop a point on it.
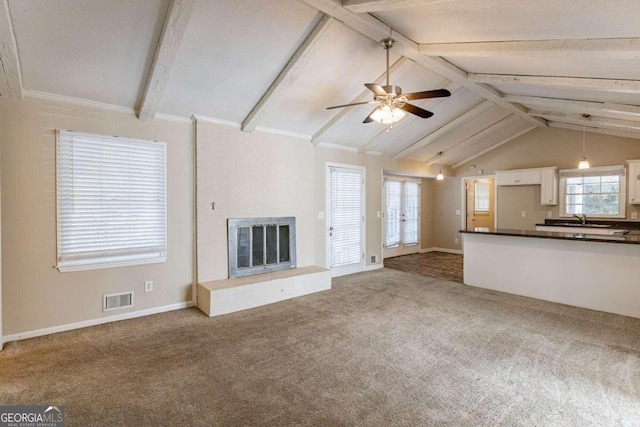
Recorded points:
(392, 212)
(111, 201)
(345, 216)
(401, 212)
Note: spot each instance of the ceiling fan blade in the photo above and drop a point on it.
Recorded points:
(438, 93)
(369, 119)
(350, 105)
(416, 110)
(376, 89)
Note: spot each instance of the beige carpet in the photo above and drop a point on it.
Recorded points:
(383, 348)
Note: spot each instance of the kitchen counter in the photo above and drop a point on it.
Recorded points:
(632, 237)
(598, 272)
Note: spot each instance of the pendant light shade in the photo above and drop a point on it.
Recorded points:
(440, 176)
(584, 163)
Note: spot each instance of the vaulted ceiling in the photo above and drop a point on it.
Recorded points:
(275, 65)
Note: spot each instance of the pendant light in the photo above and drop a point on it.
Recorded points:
(440, 176)
(584, 163)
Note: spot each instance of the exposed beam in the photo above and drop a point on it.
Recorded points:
(399, 67)
(625, 48)
(173, 30)
(623, 134)
(603, 109)
(288, 74)
(510, 120)
(365, 6)
(604, 85)
(473, 112)
(578, 119)
(376, 30)
(426, 104)
(10, 73)
(494, 146)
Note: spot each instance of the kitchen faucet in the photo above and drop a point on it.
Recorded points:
(583, 218)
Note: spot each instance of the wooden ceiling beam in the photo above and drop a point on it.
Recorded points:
(398, 68)
(602, 109)
(591, 121)
(376, 30)
(365, 6)
(473, 112)
(10, 73)
(173, 30)
(603, 85)
(621, 48)
(623, 134)
(494, 146)
(287, 75)
(506, 122)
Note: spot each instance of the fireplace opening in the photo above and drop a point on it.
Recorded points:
(261, 245)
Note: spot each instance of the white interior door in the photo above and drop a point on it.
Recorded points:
(346, 220)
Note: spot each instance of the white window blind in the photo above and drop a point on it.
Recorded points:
(346, 216)
(593, 192)
(111, 201)
(392, 212)
(401, 212)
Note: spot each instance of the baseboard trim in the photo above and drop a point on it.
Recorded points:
(373, 267)
(449, 251)
(95, 322)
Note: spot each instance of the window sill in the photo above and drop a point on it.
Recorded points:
(113, 264)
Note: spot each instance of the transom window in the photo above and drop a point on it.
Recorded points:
(596, 192)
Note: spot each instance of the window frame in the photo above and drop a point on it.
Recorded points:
(619, 170)
(402, 212)
(70, 256)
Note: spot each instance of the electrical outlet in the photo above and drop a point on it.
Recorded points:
(457, 241)
(148, 285)
(634, 215)
(549, 214)
(524, 214)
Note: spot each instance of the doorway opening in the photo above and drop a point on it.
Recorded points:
(479, 203)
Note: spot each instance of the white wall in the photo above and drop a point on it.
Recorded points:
(250, 175)
(36, 296)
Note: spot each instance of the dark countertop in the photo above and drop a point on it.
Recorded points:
(633, 237)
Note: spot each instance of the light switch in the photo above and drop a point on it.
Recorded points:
(378, 214)
(321, 215)
(524, 214)
(458, 212)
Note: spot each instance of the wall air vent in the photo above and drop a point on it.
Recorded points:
(117, 301)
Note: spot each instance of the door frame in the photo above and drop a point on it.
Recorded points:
(401, 249)
(363, 204)
(463, 190)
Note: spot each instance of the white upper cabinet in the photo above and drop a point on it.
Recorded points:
(547, 178)
(634, 182)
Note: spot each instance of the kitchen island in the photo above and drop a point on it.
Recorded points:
(599, 272)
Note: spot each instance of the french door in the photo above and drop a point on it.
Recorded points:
(345, 220)
(401, 216)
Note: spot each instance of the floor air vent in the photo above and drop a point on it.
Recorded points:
(117, 301)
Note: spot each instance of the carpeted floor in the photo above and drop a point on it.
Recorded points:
(383, 348)
(438, 264)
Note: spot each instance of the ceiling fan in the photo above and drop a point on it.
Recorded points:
(393, 104)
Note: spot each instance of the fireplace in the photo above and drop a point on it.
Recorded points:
(261, 245)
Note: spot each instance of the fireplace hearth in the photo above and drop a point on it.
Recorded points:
(261, 245)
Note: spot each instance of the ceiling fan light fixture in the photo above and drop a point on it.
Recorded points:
(387, 115)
